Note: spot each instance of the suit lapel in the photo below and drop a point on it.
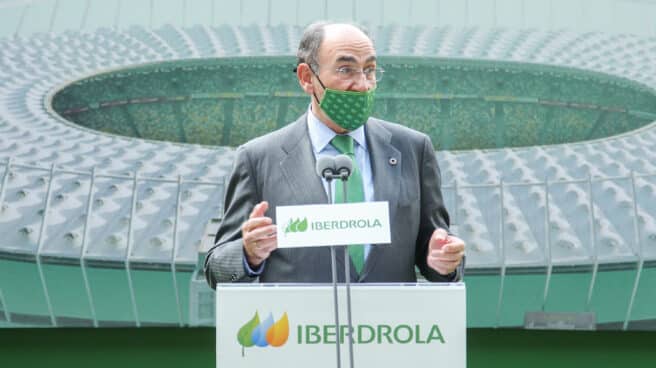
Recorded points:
(386, 162)
(298, 163)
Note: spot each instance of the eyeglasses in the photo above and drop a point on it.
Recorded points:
(351, 73)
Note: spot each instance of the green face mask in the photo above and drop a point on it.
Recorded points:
(348, 109)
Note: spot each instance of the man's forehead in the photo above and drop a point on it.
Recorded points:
(346, 43)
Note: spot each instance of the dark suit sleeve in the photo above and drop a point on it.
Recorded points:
(433, 214)
(224, 261)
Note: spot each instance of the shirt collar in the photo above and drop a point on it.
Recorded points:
(321, 135)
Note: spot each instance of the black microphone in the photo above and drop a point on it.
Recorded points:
(343, 166)
(325, 167)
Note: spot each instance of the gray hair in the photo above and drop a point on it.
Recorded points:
(308, 48)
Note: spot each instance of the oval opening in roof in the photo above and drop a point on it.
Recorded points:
(461, 104)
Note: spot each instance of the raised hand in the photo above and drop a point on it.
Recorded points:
(445, 252)
(259, 235)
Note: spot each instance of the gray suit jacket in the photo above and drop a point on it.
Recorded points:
(279, 167)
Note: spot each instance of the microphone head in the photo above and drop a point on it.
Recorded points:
(343, 165)
(325, 166)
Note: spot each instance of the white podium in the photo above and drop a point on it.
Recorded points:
(394, 325)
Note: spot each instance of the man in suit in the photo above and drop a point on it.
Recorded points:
(396, 164)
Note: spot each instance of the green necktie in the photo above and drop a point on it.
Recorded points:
(355, 193)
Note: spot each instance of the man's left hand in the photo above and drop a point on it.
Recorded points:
(445, 252)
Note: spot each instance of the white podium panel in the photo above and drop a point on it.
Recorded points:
(394, 325)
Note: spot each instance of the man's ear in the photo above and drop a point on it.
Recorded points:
(304, 75)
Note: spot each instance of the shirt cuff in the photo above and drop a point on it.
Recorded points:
(251, 272)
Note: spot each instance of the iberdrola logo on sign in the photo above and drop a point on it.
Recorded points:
(297, 226)
(265, 333)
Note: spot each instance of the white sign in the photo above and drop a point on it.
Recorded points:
(333, 224)
(421, 325)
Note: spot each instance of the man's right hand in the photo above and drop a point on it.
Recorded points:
(259, 235)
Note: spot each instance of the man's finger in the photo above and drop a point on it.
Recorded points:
(262, 232)
(443, 264)
(453, 247)
(259, 209)
(438, 239)
(440, 234)
(447, 258)
(442, 253)
(254, 223)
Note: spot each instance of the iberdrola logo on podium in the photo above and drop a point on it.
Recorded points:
(265, 333)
